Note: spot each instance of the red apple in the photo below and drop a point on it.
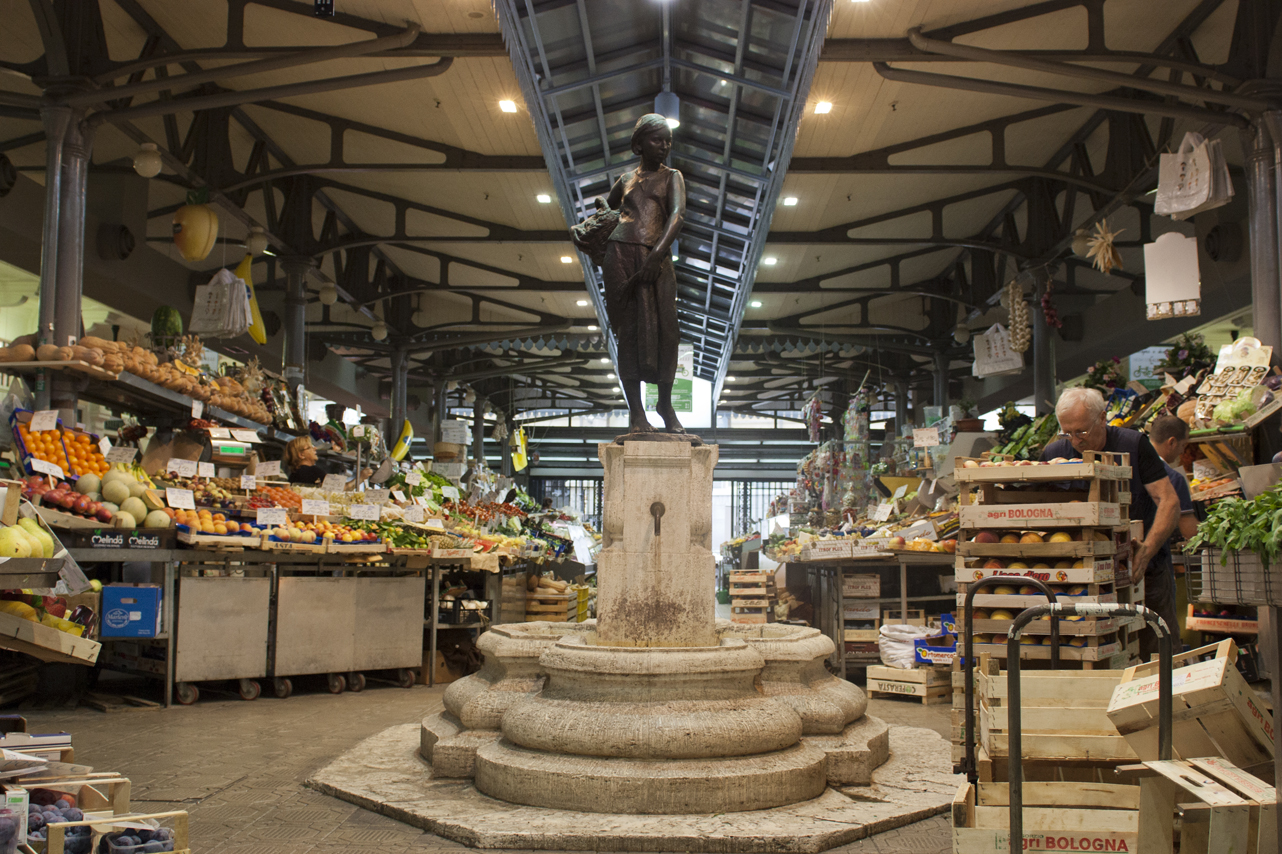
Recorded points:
(103, 514)
(896, 543)
(950, 546)
(985, 537)
(993, 563)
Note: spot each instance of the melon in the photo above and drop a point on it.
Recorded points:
(136, 489)
(134, 507)
(152, 499)
(157, 519)
(166, 323)
(124, 519)
(111, 508)
(116, 474)
(116, 492)
(88, 484)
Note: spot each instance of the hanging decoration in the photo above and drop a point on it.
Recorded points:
(1105, 375)
(812, 414)
(499, 433)
(196, 226)
(1048, 307)
(1102, 252)
(1020, 336)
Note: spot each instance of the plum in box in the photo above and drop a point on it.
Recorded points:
(130, 611)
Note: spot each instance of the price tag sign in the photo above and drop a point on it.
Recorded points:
(219, 433)
(248, 482)
(104, 445)
(449, 492)
(182, 468)
(435, 523)
(206, 470)
(121, 455)
(197, 408)
(901, 491)
(377, 496)
(180, 498)
(269, 469)
(413, 478)
(368, 512)
(414, 513)
(47, 468)
(398, 495)
(312, 507)
(245, 436)
(334, 483)
(925, 437)
(273, 516)
(882, 513)
(45, 419)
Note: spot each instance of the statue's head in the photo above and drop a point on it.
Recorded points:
(650, 124)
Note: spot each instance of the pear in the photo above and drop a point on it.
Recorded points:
(33, 528)
(37, 547)
(14, 543)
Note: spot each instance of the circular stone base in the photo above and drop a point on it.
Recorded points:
(648, 787)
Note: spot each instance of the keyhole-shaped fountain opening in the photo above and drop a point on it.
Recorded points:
(656, 510)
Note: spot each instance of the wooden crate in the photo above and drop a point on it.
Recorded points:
(182, 839)
(215, 542)
(1064, 716)
(930, 685)
(1095, 465)
(1048, 570)
(1102, 593)
(1234, 810)
(752, 585)
(914, 617)
(46, 643)
(1041, 510)
(1058, 816)
(751, 614)
(551, 607)
(860, 585)
(1215, 713)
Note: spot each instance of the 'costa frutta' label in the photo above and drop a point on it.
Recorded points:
(1050, 515)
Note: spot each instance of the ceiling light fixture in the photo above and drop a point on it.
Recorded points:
(756, 303)
(789, 201)
(543, 198)
(328, 293)
(668, 105)
(616, 388)
(581, 303)
(507, 106)
(961, 334)
(256, 243)
(823, 107)
(593, 328)
(729, 379)
(147, 161)
(770, 260)
(609, 376)
(378, 331)
(566, 259)
(605, 360)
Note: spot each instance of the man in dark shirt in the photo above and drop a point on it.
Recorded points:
(1153, 501)
(1170, 436)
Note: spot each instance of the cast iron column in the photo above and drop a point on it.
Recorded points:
(941, 381)
(478, 432)
(1262, 163)
(1043, 359)
(438, 407)
(901, 405)
(400, 385)
(295, 361)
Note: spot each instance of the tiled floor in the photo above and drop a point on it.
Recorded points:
(238, 768)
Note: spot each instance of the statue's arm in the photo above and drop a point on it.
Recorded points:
(676, 215)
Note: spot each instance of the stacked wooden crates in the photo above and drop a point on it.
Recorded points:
(1064, 524)
(752, 596)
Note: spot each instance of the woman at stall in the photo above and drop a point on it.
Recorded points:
(300, 459)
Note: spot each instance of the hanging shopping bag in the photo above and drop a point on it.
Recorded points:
(1193, 179)
(994, 355)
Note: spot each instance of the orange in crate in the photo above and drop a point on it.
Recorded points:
(85, 455)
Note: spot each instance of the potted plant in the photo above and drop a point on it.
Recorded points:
(969, 423)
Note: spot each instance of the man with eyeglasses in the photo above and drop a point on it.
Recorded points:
(1153, 500)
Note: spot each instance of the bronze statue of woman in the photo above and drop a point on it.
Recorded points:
(640, 284)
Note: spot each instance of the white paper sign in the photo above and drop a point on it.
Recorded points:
(1172, 282)
(245, 436)
(121, 454)
(47, 468)
(313, 507)
(45, 419)
(368, 512)
(104, 445)
(925, 437)
(219, 433)
(882, 513)
(248, 482)
(376, 496)
(206, 470)
(269, 469)
(273, 516)
(413, 478)
(334, 483)
(197, 408)
(399, 496)
(435, 523)
(901, 491)
(449, 492)
(454, 432)
(180, 498)
(182, 468)
(414, 513)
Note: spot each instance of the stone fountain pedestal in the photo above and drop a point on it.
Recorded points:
(655, 716)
